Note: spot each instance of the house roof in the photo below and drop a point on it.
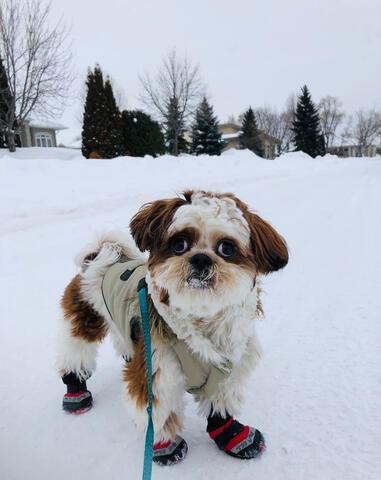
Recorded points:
(238, 132)
(228, 136)
(34, 123)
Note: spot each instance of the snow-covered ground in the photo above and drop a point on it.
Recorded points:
(316, 394)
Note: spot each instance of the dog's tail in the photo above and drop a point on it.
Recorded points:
(111, 246)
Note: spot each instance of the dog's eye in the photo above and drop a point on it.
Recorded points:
(179, 245)
(225, 249)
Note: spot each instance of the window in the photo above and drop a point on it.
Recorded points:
(44, 140)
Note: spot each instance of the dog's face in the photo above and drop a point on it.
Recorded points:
(206, 249)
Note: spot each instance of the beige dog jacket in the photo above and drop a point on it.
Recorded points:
(119, 289)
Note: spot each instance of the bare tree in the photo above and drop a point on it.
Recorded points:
(173, 95)
(366, 128)
(231, 119)
(331, 116)
(277, 124)
(37, 63)
(363, 129)
(291, 103)
(346, 131)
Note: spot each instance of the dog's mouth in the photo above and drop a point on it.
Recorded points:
(205, 279)
(198, 282)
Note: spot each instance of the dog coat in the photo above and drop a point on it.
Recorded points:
(119, 289)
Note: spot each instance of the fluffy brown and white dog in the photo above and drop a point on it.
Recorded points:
(206, 252)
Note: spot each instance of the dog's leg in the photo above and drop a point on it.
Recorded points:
(233, 437)
(168, 387)
(83, 330)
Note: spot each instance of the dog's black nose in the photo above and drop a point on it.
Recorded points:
(201, 262)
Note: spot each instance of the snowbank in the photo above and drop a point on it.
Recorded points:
(316, 393)
(40, 153)
(43, 184)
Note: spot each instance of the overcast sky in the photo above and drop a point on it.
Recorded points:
(250, 52)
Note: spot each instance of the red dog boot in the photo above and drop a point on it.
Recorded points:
(77, 399)
(234, 438)
(169, 453)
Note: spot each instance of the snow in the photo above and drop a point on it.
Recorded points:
(71, 137)
(34, 123)
(39, 153)
(227, 136)
(316, 394)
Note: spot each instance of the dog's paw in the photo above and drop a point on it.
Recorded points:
(234, 438)
(77, 403)
(253, 446)
(166, 454)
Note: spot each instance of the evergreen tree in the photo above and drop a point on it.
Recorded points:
(250, 137)
(205, 136)
(141, 135)
(113, 145)
(92, 129)
(102, 126)
(306, 126)
(175, 129)
(5, 102)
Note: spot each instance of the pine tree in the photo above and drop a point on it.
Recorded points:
(102, 126)
(142, 135)
(92, 130)
(175, 129)
(205, 136)
(250, 137)
(306, 126)
(113, 145)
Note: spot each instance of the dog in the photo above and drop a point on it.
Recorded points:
(206, 253)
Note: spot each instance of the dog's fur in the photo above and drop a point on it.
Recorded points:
(214, 313)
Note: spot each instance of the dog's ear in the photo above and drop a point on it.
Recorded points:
(149, 225)
(269, 248)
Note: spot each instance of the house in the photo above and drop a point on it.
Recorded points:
(353, 151)
(39, 133)
(231, 132)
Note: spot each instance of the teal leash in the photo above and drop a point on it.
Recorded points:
(148, 451)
